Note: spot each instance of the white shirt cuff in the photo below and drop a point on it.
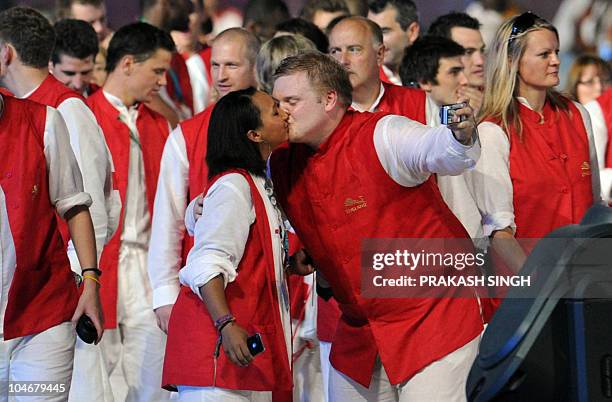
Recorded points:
(164, 295)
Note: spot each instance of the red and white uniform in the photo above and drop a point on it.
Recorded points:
(555, 164)
(237, 237)
(376, 156)
(387, 76)
(95, 163)
(183, 175)
(198, 66)
(135, 136)
(39, 177)
(393, 99)
(600, 111)
(92, 155)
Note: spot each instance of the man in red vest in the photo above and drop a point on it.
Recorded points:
(138, 58)
(600, 111)
(27, 76)
(183, 171)
(357, 43)
(39, 179)
(384, 161)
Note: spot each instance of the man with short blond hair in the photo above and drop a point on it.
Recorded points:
(385, 161)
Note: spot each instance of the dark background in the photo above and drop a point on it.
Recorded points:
(124, 11)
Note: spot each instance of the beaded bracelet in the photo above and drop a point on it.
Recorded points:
(223, 321)
(225, 324)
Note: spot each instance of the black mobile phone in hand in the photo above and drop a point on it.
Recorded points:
(86, 329)
(255, 344)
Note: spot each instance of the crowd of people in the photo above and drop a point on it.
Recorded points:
(186, 184)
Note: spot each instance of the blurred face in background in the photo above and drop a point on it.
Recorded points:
(96, 16)
(591, 83)
(474, 59)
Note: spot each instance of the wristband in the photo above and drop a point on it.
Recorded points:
(95, 270)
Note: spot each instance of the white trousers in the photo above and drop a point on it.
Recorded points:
(324, 351)
(307, 378)
(442, 381)
(46, 356)
(90, 377)
(137, 341)
(214, 394)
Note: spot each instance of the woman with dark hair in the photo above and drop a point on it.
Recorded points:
(538, 170)
(234, 280)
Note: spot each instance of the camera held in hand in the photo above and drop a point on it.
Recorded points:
(448, 116)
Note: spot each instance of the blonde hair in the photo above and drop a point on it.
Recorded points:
(273, 52)
(501, 85)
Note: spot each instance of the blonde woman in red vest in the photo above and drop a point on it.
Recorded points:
(234, 280)
(538, 169)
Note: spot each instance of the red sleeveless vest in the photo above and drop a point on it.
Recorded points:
(252, 299)
(195, 133)
(312, 187)
(42, 292)
(550, 171)
(403, 101)
(153, 132)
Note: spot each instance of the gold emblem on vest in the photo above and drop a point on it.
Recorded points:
(586, 169)
(353, 205)
(34, 191)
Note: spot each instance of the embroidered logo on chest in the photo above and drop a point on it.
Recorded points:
(585, 168)
(34, 191)
(353, 205)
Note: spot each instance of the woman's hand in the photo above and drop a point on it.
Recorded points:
(234, 340)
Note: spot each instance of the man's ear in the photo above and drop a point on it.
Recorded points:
(7, 53)
(412, 32)
(380, 54)
(126, 64)
(254, 136)
(330, 100)
(50, 66)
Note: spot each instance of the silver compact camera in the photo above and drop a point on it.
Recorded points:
(447, 113)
